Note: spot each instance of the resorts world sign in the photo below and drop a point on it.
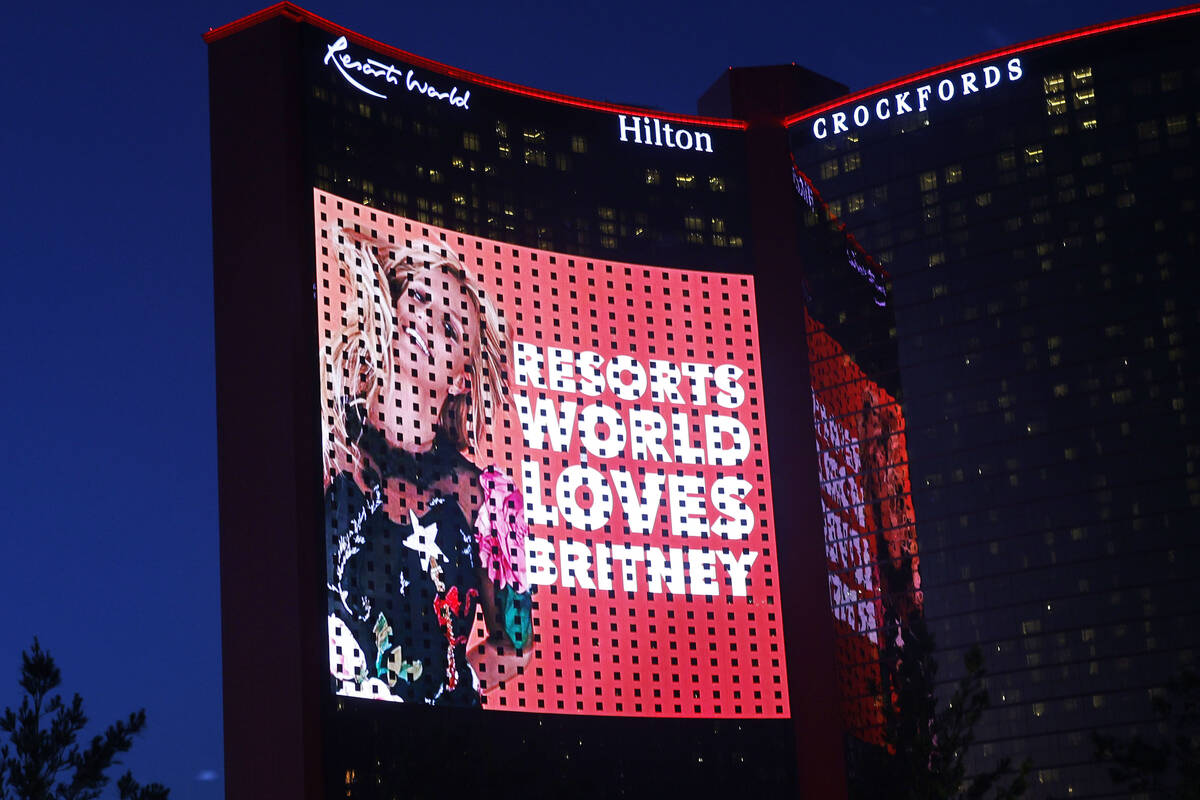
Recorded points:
(389, 74)
(919, 99)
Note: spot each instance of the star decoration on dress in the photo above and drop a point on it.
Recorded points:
(422, 541)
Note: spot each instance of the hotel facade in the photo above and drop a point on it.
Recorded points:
(589, 448)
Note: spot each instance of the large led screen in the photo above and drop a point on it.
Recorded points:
(546, 478)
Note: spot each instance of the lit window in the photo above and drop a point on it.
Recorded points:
(1053, 84)
(851, 162)
(471, 141)
(652, 177)
(693, 223)
(829, 169)
(1177, 124)
(954, 174)
(1034, 154)
(1085, 97)
(1081, 77)
(718, 224)
(1056, 106)
(1088, 124)
(578, 144)
(684, 181)
(855, 202)
(983, 200)
(928, 181)
(534, 135)
(716, 184)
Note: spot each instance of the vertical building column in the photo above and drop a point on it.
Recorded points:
(804, 583)
(266, 404)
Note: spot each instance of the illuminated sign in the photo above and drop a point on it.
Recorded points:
(657, 133)
(918, 99)
(390, 74)
(533, 507)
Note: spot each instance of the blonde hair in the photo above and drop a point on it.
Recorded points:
(356, 359)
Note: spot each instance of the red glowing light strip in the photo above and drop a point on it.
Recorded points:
(295, 12)
(1092, 30)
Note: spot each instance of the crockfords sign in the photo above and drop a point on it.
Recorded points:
(656, 133)
(916, 99)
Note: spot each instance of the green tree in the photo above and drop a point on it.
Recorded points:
(1170, 766)
(43, 760)
(927, 745)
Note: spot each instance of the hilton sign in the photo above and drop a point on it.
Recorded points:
(656, 133)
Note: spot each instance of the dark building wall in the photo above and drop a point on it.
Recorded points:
(266, 412)
(1039, 236)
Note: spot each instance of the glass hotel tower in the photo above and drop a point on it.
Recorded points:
(995, 275)
(1039, 243)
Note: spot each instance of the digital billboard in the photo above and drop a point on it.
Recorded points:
(546, 477)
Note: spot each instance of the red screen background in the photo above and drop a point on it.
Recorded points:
(615, 652)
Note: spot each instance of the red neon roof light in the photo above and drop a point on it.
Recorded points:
(1044, 41)
(298, 14)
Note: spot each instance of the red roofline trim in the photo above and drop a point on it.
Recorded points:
(298, 14)
(1091, 30)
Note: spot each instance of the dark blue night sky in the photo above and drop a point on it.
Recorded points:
(106, 343)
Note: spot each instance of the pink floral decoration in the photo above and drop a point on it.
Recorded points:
(501, 530)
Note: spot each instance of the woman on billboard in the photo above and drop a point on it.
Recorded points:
(418, 535)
